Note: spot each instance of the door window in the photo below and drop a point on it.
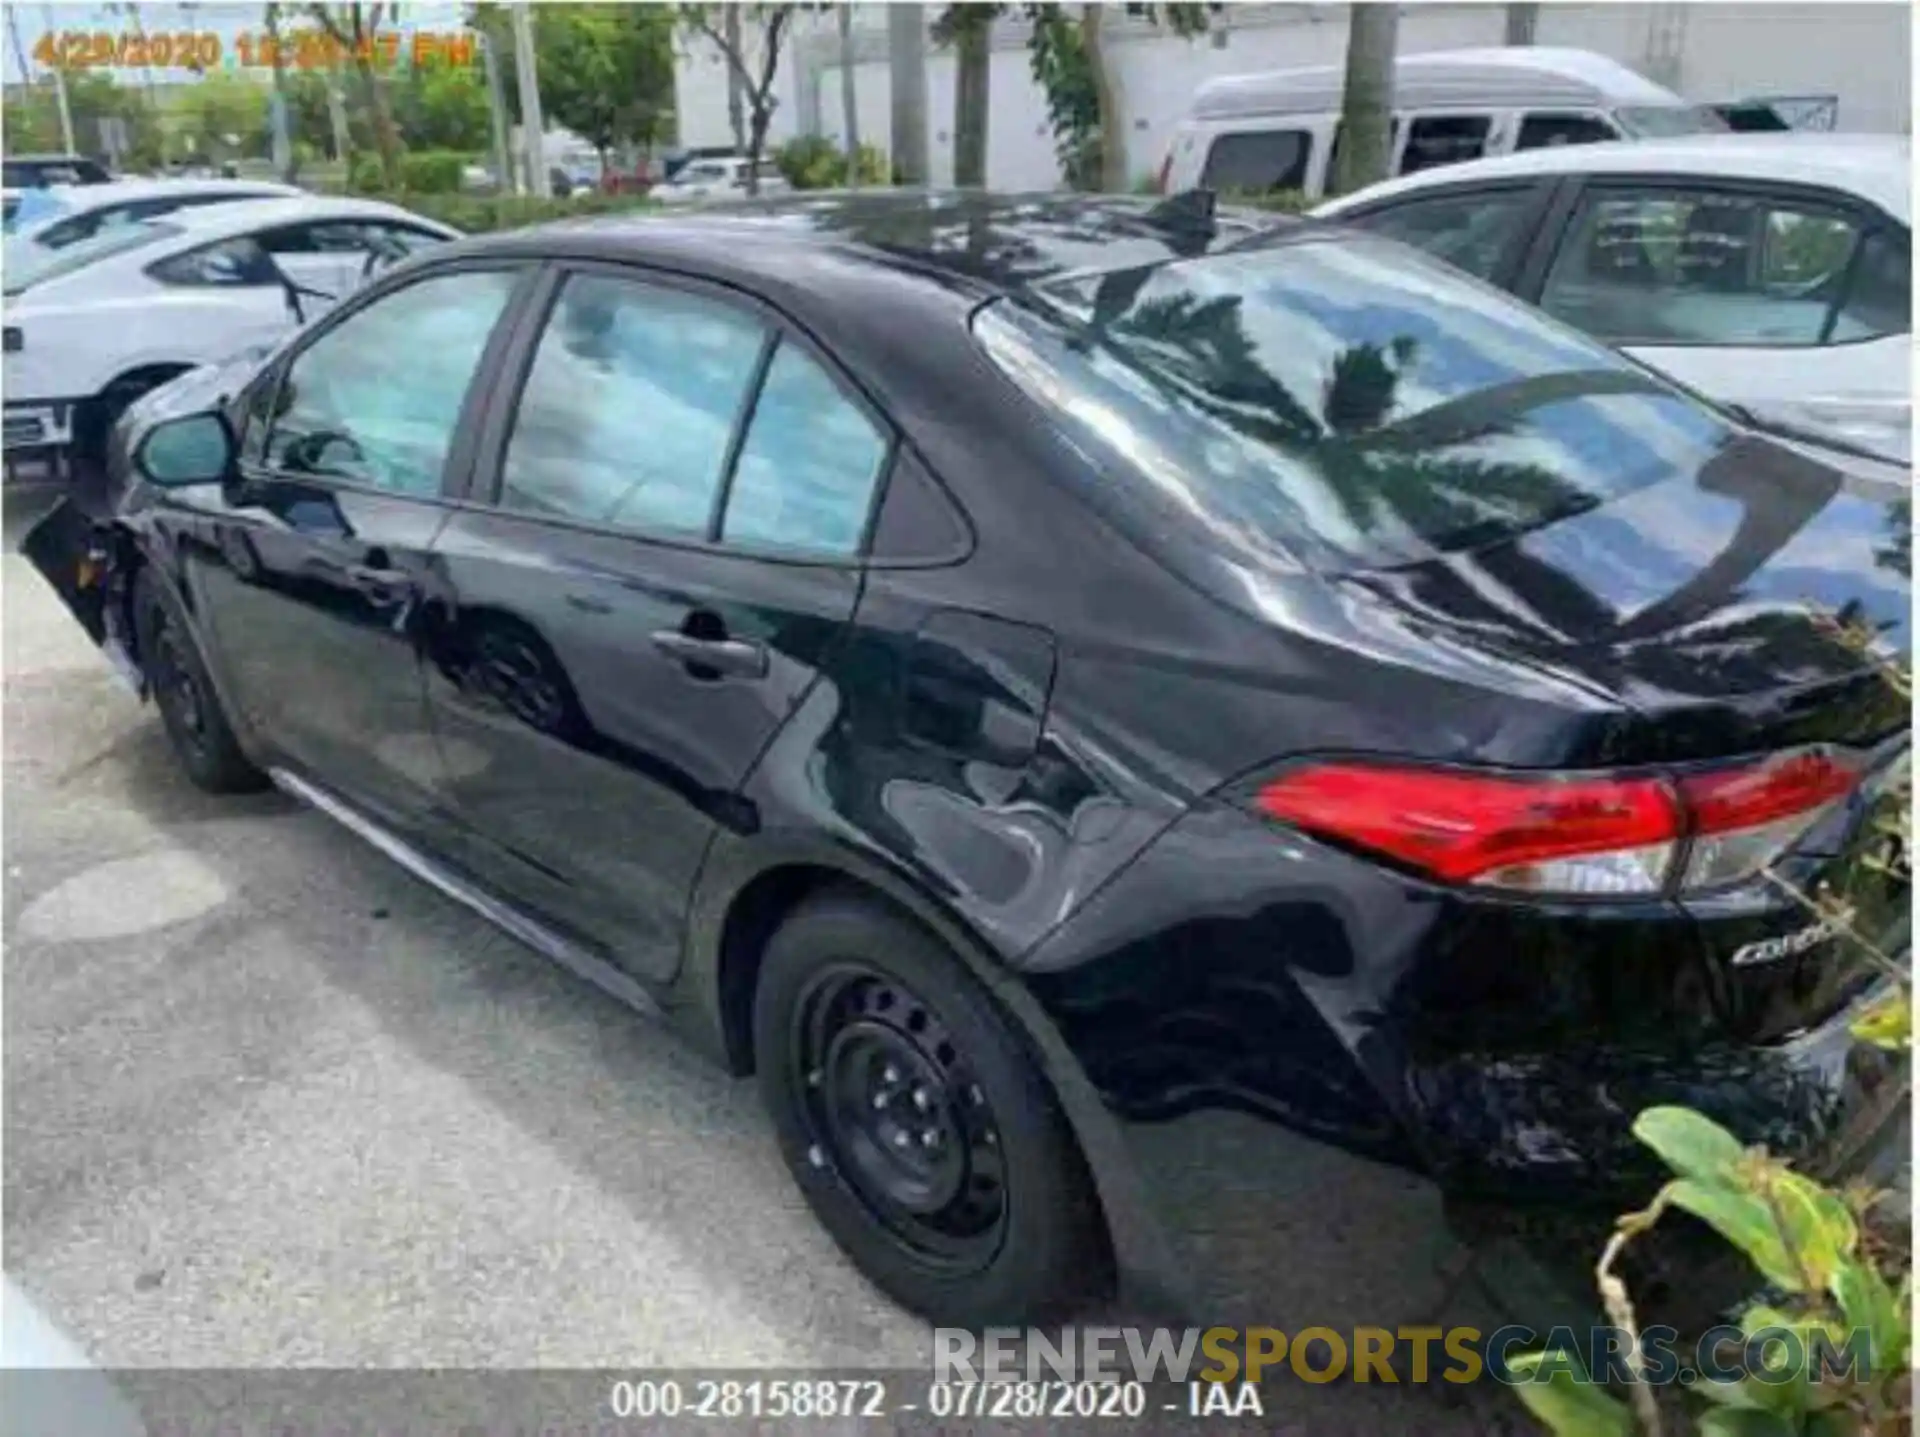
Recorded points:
(376, 398)
(1540, 132)
(1434, 140)
(807, 470)
(1879, 299)
(1471, 231)
(226, 264)
(629, 411)
(1257, 162)
(1703, 267)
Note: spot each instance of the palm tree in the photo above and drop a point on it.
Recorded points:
(907, 62)
(849, 110)
(1366, 107)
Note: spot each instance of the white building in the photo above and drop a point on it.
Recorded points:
(1857, 53)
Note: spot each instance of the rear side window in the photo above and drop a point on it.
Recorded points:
(1257, 162)
(1471, 231)
(631, 405)
(229, 263)
(1879, 298)
(1435, 140)
(1540, 132)
(632, 418)
(1704, 267)
(1336, 403)
(809, 464)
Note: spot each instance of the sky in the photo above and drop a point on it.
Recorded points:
(229, 23)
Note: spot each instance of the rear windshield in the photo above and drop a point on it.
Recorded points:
(1338, 402)
(1663, 122)
(28, 262)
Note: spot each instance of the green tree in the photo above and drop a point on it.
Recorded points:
(1067, 59)
(440, 105)
(606, 71)
(221, 105)
(751, 64)
(355, 29)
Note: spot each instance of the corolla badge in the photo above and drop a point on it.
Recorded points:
(1772, 950)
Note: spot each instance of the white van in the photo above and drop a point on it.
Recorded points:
(1278, 130)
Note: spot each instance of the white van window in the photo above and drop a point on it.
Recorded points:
(1258, 161)
(1666, 266)
(1540, 132)
(1434, 140)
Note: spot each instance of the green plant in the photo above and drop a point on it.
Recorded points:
(432, 172)
(366, 175)
(813, 162)
(478, 214)
(1840, 1266)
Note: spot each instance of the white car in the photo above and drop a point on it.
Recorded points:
(76, 212)
(92, 326)
(716, 179)
(1770, 271)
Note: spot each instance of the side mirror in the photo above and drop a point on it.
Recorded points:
(193, 449)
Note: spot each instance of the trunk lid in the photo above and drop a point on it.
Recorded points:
(1707, 603)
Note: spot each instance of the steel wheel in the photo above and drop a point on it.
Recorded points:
(894, 1111)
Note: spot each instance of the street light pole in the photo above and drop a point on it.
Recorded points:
(532, 125)
(59, 90)
(497, 105)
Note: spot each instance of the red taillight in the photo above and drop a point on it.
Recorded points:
(1783, 786)
(1564, 833)
(1166, 173)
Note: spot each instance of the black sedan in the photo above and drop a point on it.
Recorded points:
(1141, 727)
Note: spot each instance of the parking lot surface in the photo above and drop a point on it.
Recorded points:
(270, 1101)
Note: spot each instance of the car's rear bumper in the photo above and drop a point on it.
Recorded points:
(1294, 1131)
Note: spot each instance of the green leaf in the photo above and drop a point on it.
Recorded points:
(1566, 1400)
(1817, 1225)
(1743, 1393)
(1866, 1301)
(1834, 1422)
(1745, 1422)
(1887, 1022)
(1742, 1220)
(1693, 1145)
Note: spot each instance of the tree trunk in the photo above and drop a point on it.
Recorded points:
(849, 111)
(736, 107)
(1111, 172)
(1366, 110)
(907, 67)
(283, 118)
(1522, 20)
(381, 113)
(761, 118)
(974, 66)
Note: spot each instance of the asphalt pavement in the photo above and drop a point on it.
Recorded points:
(270, 1101)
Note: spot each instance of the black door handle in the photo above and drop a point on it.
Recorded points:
(719, 656)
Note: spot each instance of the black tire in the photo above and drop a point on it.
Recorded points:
(851, 991)
(94, 421)
(196, 725)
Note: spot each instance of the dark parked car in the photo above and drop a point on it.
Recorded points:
(31, 172)
(1143, 728)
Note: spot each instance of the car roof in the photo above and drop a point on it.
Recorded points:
(83, 199)
(1499, 76)
(971, 241)
(238, 217)
(1875, 167)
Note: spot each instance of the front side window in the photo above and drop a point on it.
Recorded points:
(1435, 140)
(1337, 403)
(1879, 298)
(1701, 267)
(808, 466)
(1470, 231)
(375, 399)
(629, 410)
(1257, 162)
(1541, 132)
